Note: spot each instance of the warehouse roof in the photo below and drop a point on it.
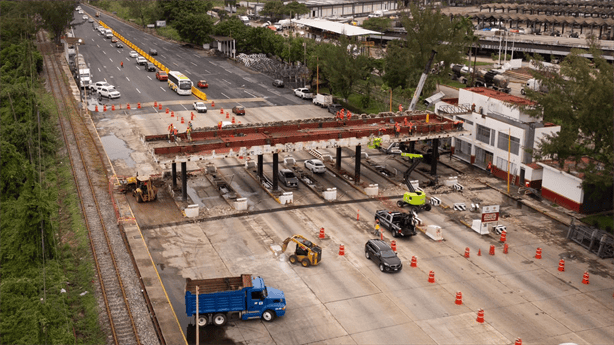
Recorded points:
(338, 28)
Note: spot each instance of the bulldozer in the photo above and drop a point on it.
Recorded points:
(306, 252)
(145, 190)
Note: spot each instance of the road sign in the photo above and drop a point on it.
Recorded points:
(490, 214)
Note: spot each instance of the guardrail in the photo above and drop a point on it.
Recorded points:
(196, 92)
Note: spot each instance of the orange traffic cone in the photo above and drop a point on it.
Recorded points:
(322, 235)
(159, 106)
(96, 107)
(341, 250)
(357, 215)
(479, 252)
(431, 277)
(381, 235)
(233, 119)
(459, 298)
(562, 265)
(518, 341)
(167, 111)
(128, 106)
(467, 252)
(414, 262)
(492, 250)
(172, 114)
(105, 108)
(480, 316)
(585, 278)
(212, 104)
(222, 111)
(227, 115)
(155, 104)
(538, 253)
(138, 105)
(503, 236)
(113, 107)
(505, 248)
(192, 116)
(182, 121)
(393, 246)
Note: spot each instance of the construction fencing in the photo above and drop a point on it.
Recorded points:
(594, 240)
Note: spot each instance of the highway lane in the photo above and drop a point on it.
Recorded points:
(227, 80)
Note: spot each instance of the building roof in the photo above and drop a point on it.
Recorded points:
(338, 28)
(502, 96)
(570, 166)
(534, 166)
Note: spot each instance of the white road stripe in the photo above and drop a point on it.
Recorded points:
(225, 96)
(162, 56)
(149, 78)
(184, 107)
(111, 59)
(197, 55)
(226, 81)
(188, 72)
(127, 79)
(175, 64)
(250, 94)
(138, 90)
(207, 72)
(193, 63)
(105, 53)
(163, 89)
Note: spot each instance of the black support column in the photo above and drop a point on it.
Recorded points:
(184, 181)
(357, 165)
(174, 174)
(260, 164)
(338, 159)
(412, 146)
(275, 169)
(435, 156)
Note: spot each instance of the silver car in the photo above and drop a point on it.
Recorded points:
(315, 165)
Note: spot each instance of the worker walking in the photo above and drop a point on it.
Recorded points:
(122, 63)
(397, 129)
(188, 132)
(170, 131)
(175, 134)
(190, 125)
(490, 168)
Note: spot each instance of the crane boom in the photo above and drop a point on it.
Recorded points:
(422, 81)
(417, 158)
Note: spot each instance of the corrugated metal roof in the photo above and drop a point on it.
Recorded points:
(338, 28)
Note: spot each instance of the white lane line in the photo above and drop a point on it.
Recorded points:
(92, 40)
(193, 63)
(162, 56)
(99, 70)
(175, 64)
(249, 94)
(117, 68)
(163, 89)
(164, 48)
(188, 72)
(225, 96)
(207, 72)
(138, 90)
(127, 79)
(184, 107)
(105, 53)
(226, 81)
(111, 59)
(194, 54)
(98, 46)
(149, 78)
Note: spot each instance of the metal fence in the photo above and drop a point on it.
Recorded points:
(594, 240)
(293, 75)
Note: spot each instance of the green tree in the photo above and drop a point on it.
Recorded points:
(273, 9)
(579, 99)
(294, 9)
(174, 9)
(380, 24)
(195, 28)
(339, 66)
(56, 16)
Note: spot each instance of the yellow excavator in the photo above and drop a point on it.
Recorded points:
(307, 252)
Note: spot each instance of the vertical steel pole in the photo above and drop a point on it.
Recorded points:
(357, 165)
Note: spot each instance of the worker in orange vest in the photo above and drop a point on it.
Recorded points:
(400, 107)
(188, 132)
(397, 129)
(349, 115)
(175, 134)
(122, 64)
(490, 168)
(170, 131)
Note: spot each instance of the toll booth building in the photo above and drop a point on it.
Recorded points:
(497, 126)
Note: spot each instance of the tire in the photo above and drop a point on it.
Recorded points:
(395, 234)
(202, 320)
(427, 207)
(305, 262)
(220, 319)
(268, 315)
(293, 259)
(522, 92)
(381, 267)
(367, 255)
(138, 198)
(400, 203)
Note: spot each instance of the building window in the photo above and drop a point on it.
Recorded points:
(502, 165)
(503, 143)
(483, 134)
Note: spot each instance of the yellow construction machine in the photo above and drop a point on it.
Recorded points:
(307, 252)
(142, 188)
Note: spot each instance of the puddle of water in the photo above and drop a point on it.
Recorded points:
(117, 149)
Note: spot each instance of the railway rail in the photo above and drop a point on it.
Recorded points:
(92, 183)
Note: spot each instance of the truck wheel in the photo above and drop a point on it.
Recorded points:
(522, 92)
(138, 198)
(202, 321)
(268, 315)
(305, 262)
(395, 233)
(220, 319)
(400, 203)
(427, 207)
(293, 259)
(381, 267)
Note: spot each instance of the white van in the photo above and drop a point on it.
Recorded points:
(108, 34)
(244, 19)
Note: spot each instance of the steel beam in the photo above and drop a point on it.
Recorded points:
(338, 159)
(275, 170)
(184, 181)
(357, 165)
(174, 174)
(260, 164)
(435, 156)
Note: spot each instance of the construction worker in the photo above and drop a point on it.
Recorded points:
(188, 132)
(170, 131)
(400, 107)
(175, 134)
(190, 125)
(397, 129)
(349, 115)
(122, 63)
(490, 168)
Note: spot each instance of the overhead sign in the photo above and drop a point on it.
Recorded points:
(490, 214)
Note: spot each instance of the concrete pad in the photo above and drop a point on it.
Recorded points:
(304, 325)
(566, 338)
(345, 340)
(598, 336)
(340, 285)
(400, 334)
(578, 312)
(462, 329)
(485, 293)
(429, 302)
(537, 285)
(367, 313)
(525, 321)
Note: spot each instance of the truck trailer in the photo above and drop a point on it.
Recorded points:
(245, 295)
(492, 80)
(535, 85)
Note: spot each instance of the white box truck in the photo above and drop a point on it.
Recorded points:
(323, 100)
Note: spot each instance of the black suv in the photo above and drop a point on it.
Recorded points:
(153, 52)
(381, 253)
(151, 67)
(334, 108)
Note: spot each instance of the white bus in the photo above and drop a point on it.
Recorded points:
(179, 83)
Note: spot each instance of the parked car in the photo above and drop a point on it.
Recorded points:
(108, 92)
(238, 109)
(278, 83)
(114, 39)
(161, 76)
(119, 45)
(334, 108)
(133, 54)
(97, 14)
(97, 85)
(199, 107)
(202, 84)
(91, 20)
(150, 67)
(303, 93)
(153, 52)
(380, 252)
(85, 17)
(141, 60)
(315, 165)
(288, 178)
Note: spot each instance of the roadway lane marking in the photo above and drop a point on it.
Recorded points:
(111, 59)
(92, 40)
(213, 63)
(207, 72)
(105, 53)
(164, 48)
(226, 81)
(138, 90)
(194, 54)
(117, 68)
(188, 72)
(249, 94)
(175, 64)
(99, 70)
(162, 56)
(149, 78)
(163, 89)
(184, 107)
(225, 96)
(127, 79)
(193, 63)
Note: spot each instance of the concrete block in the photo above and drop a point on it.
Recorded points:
(479, 227)
(450, 181)
(191, 211)
(372, 190)
(250, 164)
(434, 232)
(241, 204)
(211, 168)
(330, 194)
(286, 198)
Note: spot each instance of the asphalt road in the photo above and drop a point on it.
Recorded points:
(227, 80)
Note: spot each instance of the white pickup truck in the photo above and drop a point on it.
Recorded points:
(323, 100)
(303, 93)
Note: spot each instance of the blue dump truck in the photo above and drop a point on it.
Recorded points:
(220, 297)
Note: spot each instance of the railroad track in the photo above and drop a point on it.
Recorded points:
(92, 183)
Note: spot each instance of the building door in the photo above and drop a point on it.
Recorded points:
(522, 176)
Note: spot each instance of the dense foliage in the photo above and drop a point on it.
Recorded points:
(42, 274)
(579, 98)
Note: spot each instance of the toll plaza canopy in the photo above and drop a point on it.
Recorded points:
(334, 27)
(242, 140)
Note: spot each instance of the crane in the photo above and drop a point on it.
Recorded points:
(422, 81)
